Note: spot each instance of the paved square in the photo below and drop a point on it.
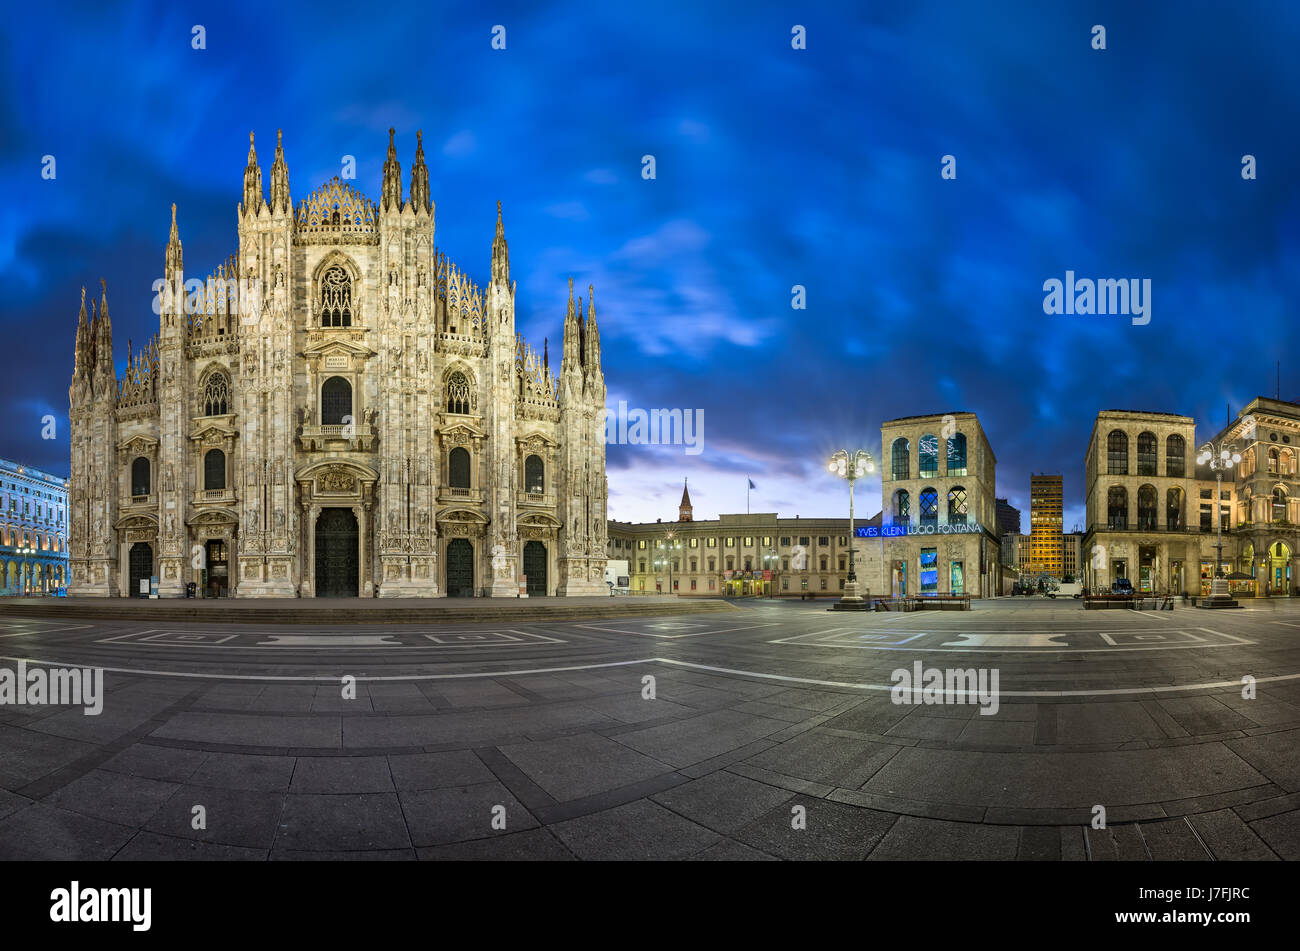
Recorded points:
(770, 731)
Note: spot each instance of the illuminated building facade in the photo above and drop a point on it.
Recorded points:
(757, 554)
(338, 411)
(938, 479)
(33, 530)
(1045, 550)
(1152, 510)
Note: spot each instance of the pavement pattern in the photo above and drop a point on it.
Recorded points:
(771, 734)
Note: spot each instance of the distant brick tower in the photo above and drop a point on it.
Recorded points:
(684, 510)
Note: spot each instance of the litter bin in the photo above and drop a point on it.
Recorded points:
(190, 588)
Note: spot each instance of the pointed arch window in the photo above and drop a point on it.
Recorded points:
(336, 298)
(458, 400)
(216, 395)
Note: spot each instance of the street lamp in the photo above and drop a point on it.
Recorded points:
(770, 561)
(667, 546)
(857, 465)
(25, 582)
(1220, 460)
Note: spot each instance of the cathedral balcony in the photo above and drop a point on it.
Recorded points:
(138, 501)
(217, 496)
(539, 499)
(470, 496)
(354, 437)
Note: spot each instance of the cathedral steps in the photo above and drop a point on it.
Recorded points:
(338, 611)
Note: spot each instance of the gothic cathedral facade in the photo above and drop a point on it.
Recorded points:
(338, 411)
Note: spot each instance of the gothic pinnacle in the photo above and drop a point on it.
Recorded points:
(253, 199)
(392, 189)
(500, 252)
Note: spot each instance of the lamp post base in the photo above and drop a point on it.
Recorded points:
(851, 600)
(1219, 596)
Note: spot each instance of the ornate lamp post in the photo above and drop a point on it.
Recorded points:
(667, 547)
(851, 466)
(1220, 460)
(25, 579)
(770, 561)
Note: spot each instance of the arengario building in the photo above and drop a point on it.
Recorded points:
(339, 410)
(1151, 510)
(939, 510)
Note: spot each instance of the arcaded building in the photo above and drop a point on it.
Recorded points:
(1152, 510)
(938, 484)
(338, 410)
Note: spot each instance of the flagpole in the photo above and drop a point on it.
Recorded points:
(747, 485)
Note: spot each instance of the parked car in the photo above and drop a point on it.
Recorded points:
(1121, 586)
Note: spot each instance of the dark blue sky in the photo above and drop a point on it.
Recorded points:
(775, 167)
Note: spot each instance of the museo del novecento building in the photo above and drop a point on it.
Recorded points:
(338, 411)
(1151, 508)
(939, 532)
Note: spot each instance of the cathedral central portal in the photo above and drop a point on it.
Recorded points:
(337, 561)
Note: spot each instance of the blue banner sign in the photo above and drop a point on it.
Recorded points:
(891, 531)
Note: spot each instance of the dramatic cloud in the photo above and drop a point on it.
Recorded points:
(773, 168)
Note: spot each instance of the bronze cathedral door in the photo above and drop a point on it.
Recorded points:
(337, 554)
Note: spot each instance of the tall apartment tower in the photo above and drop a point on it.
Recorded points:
(1046, 545)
